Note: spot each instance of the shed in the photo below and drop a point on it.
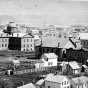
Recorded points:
(30, 85)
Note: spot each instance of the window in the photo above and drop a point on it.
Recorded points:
(59, 35)
(31, 40)
(5, 45)
(27, 40)
(28, 45)
(64, 82)
(48, 86)
(67, 82)
(2, 40)
(5, 40)
(31, 45)
(24, 49)
(31, 49)
(2, 45)
(53, 34)
(24, 45)
(50, 63)
(50, 34)
(24, 40)
(58, 44)
(46, 59)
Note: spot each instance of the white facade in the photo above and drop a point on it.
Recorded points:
(4, 41)
(27, 43)
(49, 59)
(57, 81)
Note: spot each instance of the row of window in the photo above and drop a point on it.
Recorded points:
(3, 45)
(65, 83)
(64, 87)
(3, 40)
(27, 40)
(27, 45)
(28, 49)
(85, 43)
(60, 35)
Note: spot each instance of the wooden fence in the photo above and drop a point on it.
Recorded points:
(31, 70)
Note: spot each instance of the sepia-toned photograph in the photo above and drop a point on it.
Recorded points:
(43, 44)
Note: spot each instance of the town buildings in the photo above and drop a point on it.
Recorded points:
(80, 82)
(22, 42)
(73, 68)
(57, 81)
(30, 85)
(47, 60)
(84, 40)
(4, 41)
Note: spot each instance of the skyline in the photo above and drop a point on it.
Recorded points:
(42, 12)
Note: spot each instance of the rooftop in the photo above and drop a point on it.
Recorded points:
(50, 55)
(83, 36)
(55, 78)
(40, 82)
(74, 65)
(30, 85)
(81, 79)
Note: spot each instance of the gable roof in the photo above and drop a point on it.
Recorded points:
(30, 85)
(22, 35)
(85, 66)
(69, 45)
(55, 78)
(74, 65)
(81, 79)
(40, 82)
(50, 55)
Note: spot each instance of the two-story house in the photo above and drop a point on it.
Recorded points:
(47, 60)
(73, 68)
(57, 81)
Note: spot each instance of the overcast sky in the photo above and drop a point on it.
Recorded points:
(37, 12)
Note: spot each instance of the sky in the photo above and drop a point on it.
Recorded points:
(43, 12)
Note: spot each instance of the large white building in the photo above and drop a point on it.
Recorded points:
(4, 41)
(27, 43)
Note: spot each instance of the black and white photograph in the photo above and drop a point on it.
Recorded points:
(43, 43)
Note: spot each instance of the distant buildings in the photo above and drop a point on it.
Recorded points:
(84, 40)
